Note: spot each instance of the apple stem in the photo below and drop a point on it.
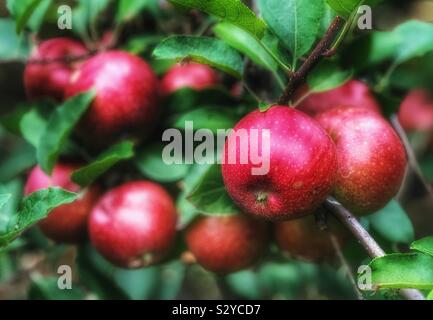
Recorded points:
(322, 50)
(365, 239)
(413, 162)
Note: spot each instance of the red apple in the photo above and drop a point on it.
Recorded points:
(301, 161)
(49, 79)
(126, 99)
(134, 225)
(371, 158)
(191, 75)
(416, 111)
(303, 239)
(225, 244)
(353, 93)
(66, 223)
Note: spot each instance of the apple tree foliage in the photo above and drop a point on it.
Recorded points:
(259, 45)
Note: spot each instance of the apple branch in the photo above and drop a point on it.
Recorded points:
(365, 239)
(413, 162)
(322, 50)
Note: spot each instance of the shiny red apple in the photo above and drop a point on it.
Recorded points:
(192, 75)
(353, 93)
(371, 158)
(300, 157)
(48, 72)
(416, 111)
(134, 225)
(225, 244)
(126, 101)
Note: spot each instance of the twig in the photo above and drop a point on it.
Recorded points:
(345, 264)
(365, 239)
(413, 162)
(322, 50)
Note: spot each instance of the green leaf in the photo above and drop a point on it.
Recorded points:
(186, 99)
(403, 270)
(211, 118)
(209, 196)
(88, 174)
(34, 122)
(233, 11)
(128, 10)
(205, 50)
(35, 207)
(14, 188)
(137, 284)
(151, 164)
(245, 284)
(140, 44)
(19, 157)
(430, 295)
(422, 31)
(86, 13)
(245, 43)
(22, 10)
(392, 223)
(327, 75)
(345, 8)
(424, 245)
(295, 22)
(4, 198)
(13, 47)
(171, 279)
(46, 288)
(97, 274)
(59, 128)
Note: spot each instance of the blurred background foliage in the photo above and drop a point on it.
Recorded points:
(28, 268)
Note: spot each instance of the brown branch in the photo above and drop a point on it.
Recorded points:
(365, 239)
(322, 50)
(413, 162)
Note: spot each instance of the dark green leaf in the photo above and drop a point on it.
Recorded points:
(408, 49)
(35, 207)
(245, 284)
(15, 189)
(140, 44)
(205, 50)
(46, 288)
(328, 76)
(86, 13)
(17, 158)
(213, 119)
(172, 275)
(34, 122)
(403, 270)
(424, 245)
(151, 164)
(188, 99)
(97, 274)
(137, 284)
(209, 196)
(346, 8)
(13, 47)
(392, 223)
(233, 11)
(59, 127)
(88, 174)
(245, 43)
(4, 198)
(295, 22)
(129, 9)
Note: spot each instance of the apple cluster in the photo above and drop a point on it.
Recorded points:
(334, 143)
